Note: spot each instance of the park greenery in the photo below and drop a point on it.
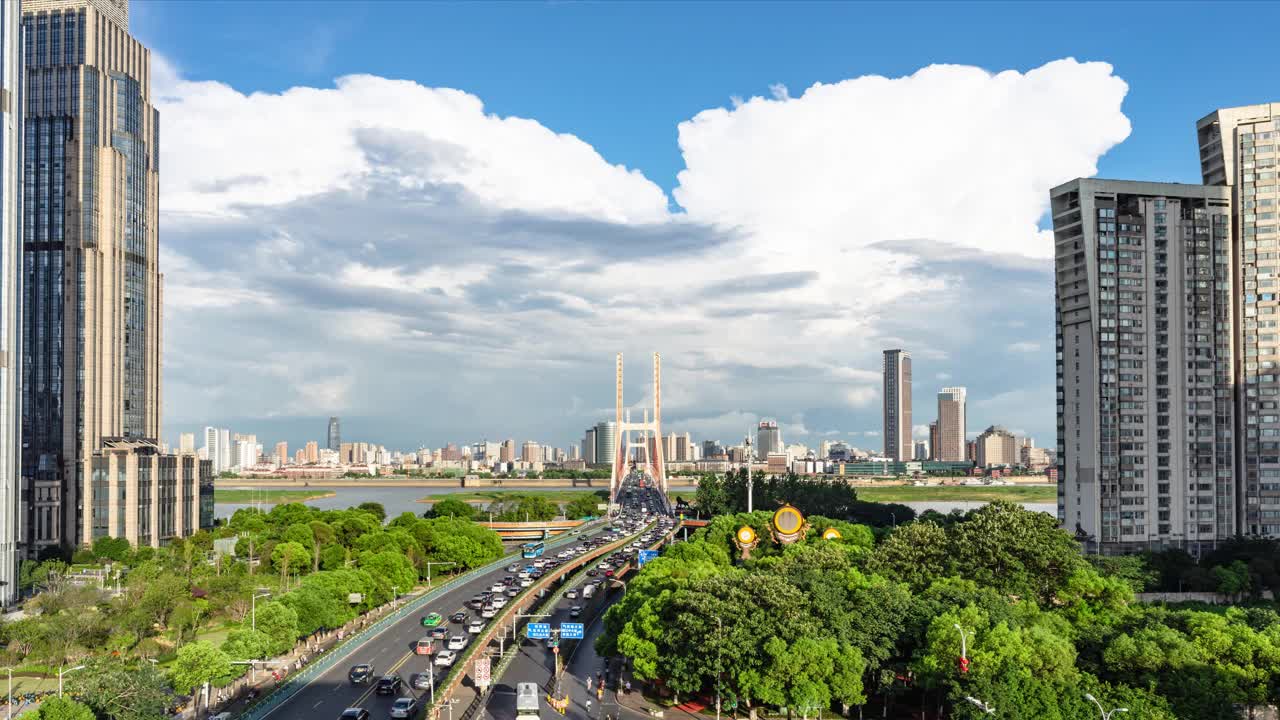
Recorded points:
(832, 497)
(191, 610)
(521, 507)
(867, 624)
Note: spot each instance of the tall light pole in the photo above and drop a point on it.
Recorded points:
(1105, 715)
(984, 707)
(395, 595)
(429, 564)
(750, 487)
(62, 671)
(253, 607)
(964, 648)
(9, 707)
(719, 671)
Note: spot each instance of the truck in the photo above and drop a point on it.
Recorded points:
(588, 590)
(527, 701)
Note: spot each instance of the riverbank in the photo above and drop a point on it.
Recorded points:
(485, 497)
(1026, 493)
(391, 481)
(269, 497)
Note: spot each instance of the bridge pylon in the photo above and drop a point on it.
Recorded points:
(649, 432)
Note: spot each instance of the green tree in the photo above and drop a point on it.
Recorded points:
(63, 708)
(374, 509)
(110, 548)
(279, 624)
(452, 507)
(289, 558)
(121, 688)
(198, 663)
(583, 506)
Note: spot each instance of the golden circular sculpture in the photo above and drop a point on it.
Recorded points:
(788, 524)
(746, 535)
(831, 534)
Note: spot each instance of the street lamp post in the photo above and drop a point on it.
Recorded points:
(253, 607)
(429, 564)
(964, 647)
(719, 640)
(750, 487)
(9, 707)
(395, 595)
(1105, 715)
(63, 671)
(984, 707)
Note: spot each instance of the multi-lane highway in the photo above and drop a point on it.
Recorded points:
(392, 651)
(536, 662)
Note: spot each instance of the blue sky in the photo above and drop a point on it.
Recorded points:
(628, 80)
(622, 75)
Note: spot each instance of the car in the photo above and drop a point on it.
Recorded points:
(571, 594)
(361, 674)
(488, 611)
(592, 572)
(445, 658)
(389, 685)
(420, 681)
(432, 619)
(423, 646)
(500, 601)
(602, 566)
(513, 567)
(526, 582)
(608, 573)
(440, 632)
(475, 627)
(497, 587)
(221, 716)
(354, 714)
(404, 708)
(513, 591)
(575, 611)
(459, 617)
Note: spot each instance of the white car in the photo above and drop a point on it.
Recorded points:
(457, 642)
(497, 587)
(475, 627)
(499, 601)
(445, 658)
(488, 611)
(525, 582)
(603, 566)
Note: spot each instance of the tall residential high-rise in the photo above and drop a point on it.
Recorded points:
(507, 451)
(606, 442)
(934, 451)
(768, 439)
(1145, 375)
(244, 451)
(921, 450)
(311, 455)
(187, 442)
(897, 405)
(952, 414)
(531, 451)
(335, 434)
(282, 453)
(12, 518)
(1238, 152)
(589, 446)
(92, 292)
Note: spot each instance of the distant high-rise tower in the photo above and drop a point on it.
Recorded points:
(92, 291)
(897, 405)
(606, 442)
(589, 446)
(952, 414)
(768, 438)
(335, 434)
(11, 514)
(1145, 374)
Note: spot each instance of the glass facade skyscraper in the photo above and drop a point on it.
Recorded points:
(335, 434)
(92, 291)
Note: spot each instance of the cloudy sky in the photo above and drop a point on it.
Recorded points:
(443, 235)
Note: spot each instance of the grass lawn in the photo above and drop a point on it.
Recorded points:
(270, 497)
(978, 493)
(485, 497)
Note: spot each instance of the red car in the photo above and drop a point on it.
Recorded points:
(608, 573)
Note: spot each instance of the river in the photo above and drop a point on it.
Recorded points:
(397, 500)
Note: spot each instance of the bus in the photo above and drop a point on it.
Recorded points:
(532, 549)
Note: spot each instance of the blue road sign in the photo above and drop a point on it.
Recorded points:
(647, 555)
(538, 631)
(571, 631)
